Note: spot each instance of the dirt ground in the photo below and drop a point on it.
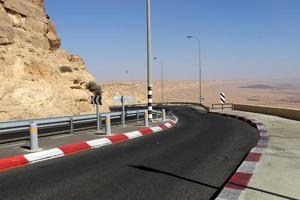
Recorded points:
(277, 93)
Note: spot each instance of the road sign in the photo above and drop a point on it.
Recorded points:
(123, 99)
(222, 98)
(96, 100)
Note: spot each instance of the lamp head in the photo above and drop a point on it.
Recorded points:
(155, 58)
(189, 37)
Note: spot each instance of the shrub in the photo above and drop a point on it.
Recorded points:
(64, 69)
(94, 88)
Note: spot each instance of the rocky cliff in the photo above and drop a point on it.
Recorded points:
(38, 78)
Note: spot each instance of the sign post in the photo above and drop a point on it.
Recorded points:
(123, 100)
(97, 100)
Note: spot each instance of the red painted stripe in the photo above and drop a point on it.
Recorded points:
(12, 162)
(146, 131)
(264, 137)
(239, 181)
(73, 148)
(173, 123)
(163, 126)
(118, 138)
(255, 157)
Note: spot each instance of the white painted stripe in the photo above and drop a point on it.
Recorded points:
(156, 129)
(258, 150)
(168, 125)
(247, 167)
(44, 155)
(229, 194)
(261, 127)
(150, 107)
(150, 116)
(150, 101)
(99, 142)
(263, 142)
(264, 133)
(149, 92)
(133, 134)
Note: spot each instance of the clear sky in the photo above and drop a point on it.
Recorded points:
(241, 39)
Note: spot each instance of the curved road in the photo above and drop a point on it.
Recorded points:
(191, 161)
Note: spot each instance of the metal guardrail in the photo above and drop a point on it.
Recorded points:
(206, 108)
(222, 106)
(58, 125)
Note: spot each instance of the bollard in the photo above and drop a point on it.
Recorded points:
(146, 119)
(34, 144)
(163, 117)
(108, 126)
(72, 125)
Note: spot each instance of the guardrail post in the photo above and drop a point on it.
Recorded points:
(72, 125)
(108, 125)
(146, 119)
(137, 116)
(163, 117)
(34, 145)
(123, 115)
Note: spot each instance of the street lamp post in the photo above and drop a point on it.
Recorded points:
(162, 78)
(200, 75)
(149, 60)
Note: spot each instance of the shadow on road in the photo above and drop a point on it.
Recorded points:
(148, 169)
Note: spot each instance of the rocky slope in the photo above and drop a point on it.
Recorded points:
(38, 78)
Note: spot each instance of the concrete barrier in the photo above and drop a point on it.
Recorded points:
(280, 112)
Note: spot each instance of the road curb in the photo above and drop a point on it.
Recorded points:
(239, 181)
(23, 160)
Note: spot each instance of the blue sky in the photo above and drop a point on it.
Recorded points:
(254, 39)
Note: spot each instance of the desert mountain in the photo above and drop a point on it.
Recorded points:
(38, 78)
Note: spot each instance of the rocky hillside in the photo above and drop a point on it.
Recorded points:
(38, 78)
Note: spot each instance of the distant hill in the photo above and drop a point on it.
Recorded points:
(258, 86)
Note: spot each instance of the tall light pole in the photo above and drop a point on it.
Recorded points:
(149, 60)
(162, 78)
(200, 74)
(131, 81)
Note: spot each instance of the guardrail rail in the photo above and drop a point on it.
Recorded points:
(19, 130)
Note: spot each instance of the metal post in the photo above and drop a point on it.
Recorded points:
(34, 144)
(149, 60)
(163, 115)
(108, 125)
(72, 125)
(200, 73)
(162, 82)
(146, 119)
(98, 118)
(137, 116)
(123, 112)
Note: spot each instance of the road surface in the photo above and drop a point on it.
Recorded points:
(191, 161)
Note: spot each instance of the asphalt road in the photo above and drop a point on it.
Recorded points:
(190, 161)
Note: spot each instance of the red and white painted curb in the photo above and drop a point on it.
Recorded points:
(22, 160)
(240, 179)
